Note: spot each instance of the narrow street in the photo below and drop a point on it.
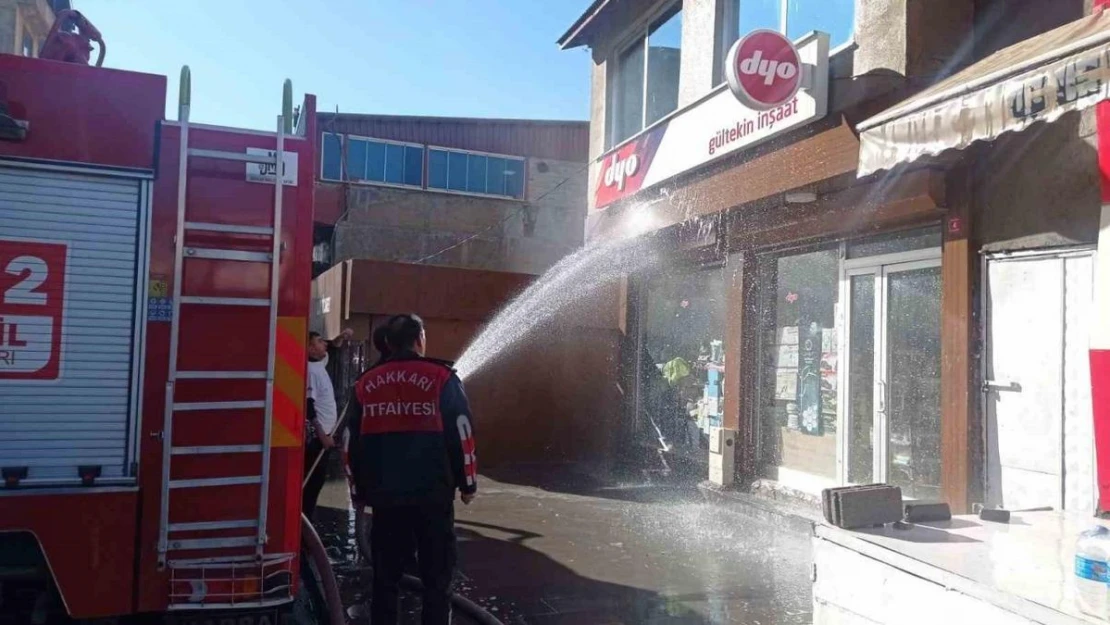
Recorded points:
(547, 547)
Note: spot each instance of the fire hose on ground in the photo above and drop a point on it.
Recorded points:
(319, 556)
(412, 583)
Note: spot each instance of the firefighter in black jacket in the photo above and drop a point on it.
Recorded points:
(411, 448)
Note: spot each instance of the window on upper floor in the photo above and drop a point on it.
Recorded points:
(474, 172)
(644, 88)
(389, 162)
(28, 45)
(795, 18)
(393, 163)
(331, 157)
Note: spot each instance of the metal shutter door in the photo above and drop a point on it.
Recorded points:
(81, 415)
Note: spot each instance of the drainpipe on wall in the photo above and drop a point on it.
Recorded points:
(1100, 332)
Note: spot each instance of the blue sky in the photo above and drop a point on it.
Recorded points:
(476, 58)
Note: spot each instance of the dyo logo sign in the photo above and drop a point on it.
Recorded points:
(764, 70)
(768, 70)
(619, 171)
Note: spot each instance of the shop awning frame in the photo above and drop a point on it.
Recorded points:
(972, 105)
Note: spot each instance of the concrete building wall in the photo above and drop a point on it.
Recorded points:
(8, 31)
(24, 23)
(699, 50)
(384, 223)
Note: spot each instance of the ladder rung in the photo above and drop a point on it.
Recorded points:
(203, 526)
(221, 375)
(229, 228)
(190, 544)
(233, 156)
(214, 254)
(231, 561)
(205, 482)
(216, 449)
(217, 405)
(224, 301)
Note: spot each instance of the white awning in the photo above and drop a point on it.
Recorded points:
(1039, 79)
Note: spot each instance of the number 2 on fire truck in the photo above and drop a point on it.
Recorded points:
(32, 301)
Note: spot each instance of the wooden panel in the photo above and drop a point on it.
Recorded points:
(734, 337)
(913, 197)
(380, 287)
(955, 350)
(815, 455)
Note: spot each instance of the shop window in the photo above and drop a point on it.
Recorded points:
(795, 18)
(645, 87)
(798, 365)
(470, 172)
(852, 347)
(682, 360)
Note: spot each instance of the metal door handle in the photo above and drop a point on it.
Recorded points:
(156, 435)
(1001, 385)
(882, 396)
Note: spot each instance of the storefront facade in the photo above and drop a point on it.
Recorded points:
(814, 327)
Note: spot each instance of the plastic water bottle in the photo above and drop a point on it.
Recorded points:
(1092, 551)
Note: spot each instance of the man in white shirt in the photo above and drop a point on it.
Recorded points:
(321, 415)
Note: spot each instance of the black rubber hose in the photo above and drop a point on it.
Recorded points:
(412, 583)
(462, 604)
(319, 557)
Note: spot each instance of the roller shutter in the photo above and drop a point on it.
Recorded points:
(69, 257)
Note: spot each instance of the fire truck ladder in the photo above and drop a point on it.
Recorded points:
(167, 542)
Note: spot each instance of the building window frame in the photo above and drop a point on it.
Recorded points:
(27, 46)
(643, 284)
(345, 141)
(348, 139)
(925, 253)
(523, 160)
(639, 35)
(323, 170)
(730, 32)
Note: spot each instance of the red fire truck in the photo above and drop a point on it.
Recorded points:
(154, 290)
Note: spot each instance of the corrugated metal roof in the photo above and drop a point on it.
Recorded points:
(553, 139)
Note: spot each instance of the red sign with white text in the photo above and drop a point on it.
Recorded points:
(764, 69)
(623, 170)
(780, 86)
(32, 303)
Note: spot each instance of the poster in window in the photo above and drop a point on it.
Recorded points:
(809, 380)
(786, 384)
(828, 377)
(787, 356)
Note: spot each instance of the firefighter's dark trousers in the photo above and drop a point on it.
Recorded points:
(397, 531)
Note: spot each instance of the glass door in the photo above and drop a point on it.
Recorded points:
(891, 378)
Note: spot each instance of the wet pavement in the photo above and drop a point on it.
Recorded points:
(546, 546)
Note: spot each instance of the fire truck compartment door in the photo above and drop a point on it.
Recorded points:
(69, 256)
